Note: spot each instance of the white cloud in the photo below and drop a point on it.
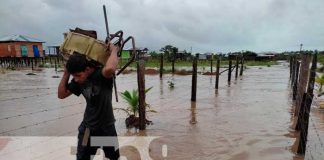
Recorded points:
(207, 25)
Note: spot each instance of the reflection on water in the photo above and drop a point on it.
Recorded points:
(216, 92)
(193, 113)
(247, 120)
(161, 86)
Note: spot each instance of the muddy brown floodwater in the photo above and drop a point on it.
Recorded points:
(247, 119)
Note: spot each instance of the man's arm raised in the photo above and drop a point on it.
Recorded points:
(112, 62)
(62, 91)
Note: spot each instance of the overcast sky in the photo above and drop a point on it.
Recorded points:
(205, 25)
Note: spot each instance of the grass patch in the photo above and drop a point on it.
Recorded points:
(320, 58)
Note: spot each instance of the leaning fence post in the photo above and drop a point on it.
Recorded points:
(194, 80)
(141, 91)
(217, 73)
(304, 119)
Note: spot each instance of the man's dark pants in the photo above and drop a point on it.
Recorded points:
(85, 152)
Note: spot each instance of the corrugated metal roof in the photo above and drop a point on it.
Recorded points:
(19, 38)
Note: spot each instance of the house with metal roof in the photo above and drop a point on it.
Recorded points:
(20, 46)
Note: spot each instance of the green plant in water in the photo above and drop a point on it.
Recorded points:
(132, 99)
(171, 84)
(320, 81)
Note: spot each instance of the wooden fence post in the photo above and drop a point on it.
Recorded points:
(217, 73)
(305, 110)
(229, 70)
(161, 66)
(57, 51)
(302, 84)
(293, 70)
(290, 66)
(50, 59)
(32, 62)
(141, 91)
(173, 61)
(295, 83)
(236, 69)
(36, 61)
(242, 66)
(211, 65)
(194, 80)
(55, 65)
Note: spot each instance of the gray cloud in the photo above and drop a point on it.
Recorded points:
(207, 25)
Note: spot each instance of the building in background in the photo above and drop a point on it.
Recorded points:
(20, 46)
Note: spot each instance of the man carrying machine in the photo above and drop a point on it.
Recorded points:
(95, 84)
(92, 64)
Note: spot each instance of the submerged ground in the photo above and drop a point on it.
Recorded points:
(248, 119)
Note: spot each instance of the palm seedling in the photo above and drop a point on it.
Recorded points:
(132, 98)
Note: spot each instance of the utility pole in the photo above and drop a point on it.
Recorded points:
(301, 46)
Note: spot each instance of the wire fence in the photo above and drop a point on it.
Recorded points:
(302, 82)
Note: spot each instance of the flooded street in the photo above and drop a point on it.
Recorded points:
(246, 119)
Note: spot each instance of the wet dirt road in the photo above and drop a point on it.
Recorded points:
(248, 119)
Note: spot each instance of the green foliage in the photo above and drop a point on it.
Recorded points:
(169, 52)
(320, 81)
(132, 100)
(155, 55)
(320, 59)
(171, 84)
